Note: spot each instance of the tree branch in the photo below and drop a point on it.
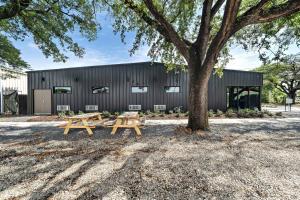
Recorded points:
(173, 36)
(258, 15)
(203, 35)
(10, 10)
(224, 33)
(13, 8)
(216, 7)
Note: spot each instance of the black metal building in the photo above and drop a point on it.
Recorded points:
(134, 86)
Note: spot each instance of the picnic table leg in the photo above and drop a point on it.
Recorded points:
(67, 127)
(86, 124)
(99, 117)
(116, 126)
(137, 130)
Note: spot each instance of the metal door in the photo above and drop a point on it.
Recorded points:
(42, 102)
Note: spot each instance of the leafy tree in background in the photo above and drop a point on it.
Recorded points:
(49, 22)
(284, 75)
(199, 33)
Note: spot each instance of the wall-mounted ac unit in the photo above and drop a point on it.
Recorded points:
(135, 107)
(63, 108)
(160, 107)
(91, 107)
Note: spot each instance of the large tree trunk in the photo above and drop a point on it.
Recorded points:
(198, 96)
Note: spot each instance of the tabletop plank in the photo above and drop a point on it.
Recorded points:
(84, 116)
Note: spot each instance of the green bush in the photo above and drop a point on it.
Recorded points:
(266, 112)
(62, 114)
(244, 113)
(178, 109)
(186, 114)
(80, 112)
(141, 114)
(230, 113)
(211, 113)
(170, 112)
(71, 113)
(116, 114)
(219, 113)
(106, 114)
(148, 112)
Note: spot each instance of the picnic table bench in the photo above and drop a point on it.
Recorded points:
(84, 121)
(128, 120)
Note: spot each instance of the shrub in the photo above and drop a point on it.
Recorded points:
(157, 112)
(170, 112)
(219, 113)
(116, 114)
(106, 114)
(148, 112)
(268, 113)
(211, 113)
(80, 112)
(243, 113)
(71, 113)
(62, 114)
(279, 114)
(141, 114)
(186, 114)
(230, 113)
(178, 109)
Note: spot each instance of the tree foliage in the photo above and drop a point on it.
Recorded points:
(268, 29)
(283, 75)
(49, 23)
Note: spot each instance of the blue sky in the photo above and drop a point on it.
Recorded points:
(108, 49)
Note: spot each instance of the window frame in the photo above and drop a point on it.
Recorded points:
(54, 89)
(139, 87)
(239, 88)
(94, 87)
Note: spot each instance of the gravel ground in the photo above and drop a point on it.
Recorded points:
(256, 159)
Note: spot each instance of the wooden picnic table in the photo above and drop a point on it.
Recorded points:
(128, 120)
(84, 121)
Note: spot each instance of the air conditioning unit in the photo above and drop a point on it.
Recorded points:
(91, 107)
(160, 107)
(135, 107)
(63, 108)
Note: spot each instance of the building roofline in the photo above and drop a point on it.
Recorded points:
(12, 71)
(119, 64)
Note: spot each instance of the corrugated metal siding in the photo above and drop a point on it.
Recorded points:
(19, 83)
(120, 79)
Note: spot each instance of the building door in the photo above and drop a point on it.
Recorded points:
(42, 102)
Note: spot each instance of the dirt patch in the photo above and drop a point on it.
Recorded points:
(45, 118)
(231, 161)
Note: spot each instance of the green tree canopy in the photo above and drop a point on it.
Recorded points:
(284, 75)
(49, 23)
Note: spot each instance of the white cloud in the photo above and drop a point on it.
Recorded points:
(91, 57)
(32, 45)
(243, 60)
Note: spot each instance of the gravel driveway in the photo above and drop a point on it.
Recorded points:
(246, 160)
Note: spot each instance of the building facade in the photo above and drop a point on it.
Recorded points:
(13, 82)
(134, 86)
